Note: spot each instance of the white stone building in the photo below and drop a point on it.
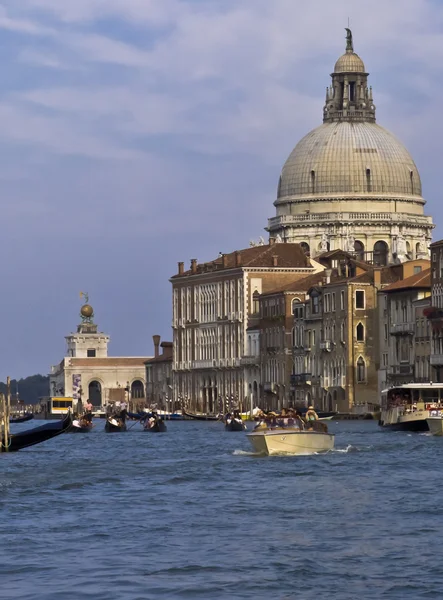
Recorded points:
(87, 372)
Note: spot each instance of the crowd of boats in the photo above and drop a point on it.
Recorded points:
(411, 407)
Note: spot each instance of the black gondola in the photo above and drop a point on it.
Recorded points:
(24, 439)
(80, 426)
(235, 425)
(201, 416)
(23, 419)
(113, 425)
(158, 427)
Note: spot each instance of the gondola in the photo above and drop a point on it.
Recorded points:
(80, 426)
(235, 425)
(201, 416)
(114, 425)
(25, 417)
(24, 439)
(158, 427)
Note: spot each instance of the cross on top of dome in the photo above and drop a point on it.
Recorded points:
(349, 98)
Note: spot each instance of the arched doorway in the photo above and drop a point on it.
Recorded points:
(137, 389)
(380, 254)
(95, 393)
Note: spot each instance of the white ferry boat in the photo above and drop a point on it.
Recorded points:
(408, 407)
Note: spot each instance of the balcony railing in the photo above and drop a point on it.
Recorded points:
(401, 370)
(403, 328)
(436, 359)
(250, 360)
(346, 216)
(326, 345)
(301, 378)
(269, 386)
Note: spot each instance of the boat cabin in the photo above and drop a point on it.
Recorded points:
(413, 397)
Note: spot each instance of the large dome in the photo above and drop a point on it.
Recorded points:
(349, 158)
(350, 62)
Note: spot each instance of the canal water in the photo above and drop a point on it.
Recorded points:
(192, 513)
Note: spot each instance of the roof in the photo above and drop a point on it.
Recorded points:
(159, 359)
(418, 281)
(109, 361)
(286, 255)
(350, 62)
(301, 284)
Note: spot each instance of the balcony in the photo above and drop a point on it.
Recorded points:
(406, 370)
(326, 345)
(204, 364)
(301, 378)
(402, 328)
(436, 360)
(250, 361)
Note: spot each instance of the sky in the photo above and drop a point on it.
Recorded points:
(138, 133)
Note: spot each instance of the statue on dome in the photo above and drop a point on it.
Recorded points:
(349, 42)
(422, 250)
(261, 241)
(252, 244)
(278, 239)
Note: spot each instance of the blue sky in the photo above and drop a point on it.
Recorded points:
(138, 133)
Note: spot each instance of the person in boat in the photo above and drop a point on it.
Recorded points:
(228, 418)
(88, 414)
(237, 415)
(311, 415)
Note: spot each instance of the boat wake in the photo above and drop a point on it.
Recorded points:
(246, 453)
(348, 448)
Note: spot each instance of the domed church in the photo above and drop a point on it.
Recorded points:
(350, 184)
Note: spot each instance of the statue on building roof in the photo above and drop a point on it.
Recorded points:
(86, 311)
(349, 41)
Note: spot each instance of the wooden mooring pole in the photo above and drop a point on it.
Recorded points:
(5, 410)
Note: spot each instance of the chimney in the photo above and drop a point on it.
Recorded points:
(193, 265)
(377, 277)
(274, 260)
(181, 268)
(156, 339)
(237, 258)
(225, 261)
(271, 241)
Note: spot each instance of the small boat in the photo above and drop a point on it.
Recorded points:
(435, 423)
(22, 419)
(158, 426)
(114, 425)
(234, 425)
(292, 440)
(30, 437)
(201, 416)
(80, 426)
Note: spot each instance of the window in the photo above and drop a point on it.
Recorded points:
(255, 303)
(342, 332)
(342, 300)
(417, 269)
(333, 302)
(91, 353)
(327, 303)
(385, 359)
(315, 305)
(386, 331)
(360, 332)
(313, 338)
(361, 370)
(359, 299)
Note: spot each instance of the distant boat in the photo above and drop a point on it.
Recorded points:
(80, 426)
(234, 425)
(158, 427)
(113, 425)
(22, 419)
(201, 416)
(30, 437)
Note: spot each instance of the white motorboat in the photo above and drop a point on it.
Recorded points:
(290, 441)
(435, 423)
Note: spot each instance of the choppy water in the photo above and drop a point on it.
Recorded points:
(192, 513)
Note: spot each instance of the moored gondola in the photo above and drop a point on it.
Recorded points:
(30, 437)
(201, 416)
(114, 424)
(22, 419)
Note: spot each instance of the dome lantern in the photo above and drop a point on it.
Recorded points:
(349, 98)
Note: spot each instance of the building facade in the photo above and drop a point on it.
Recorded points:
(350, 184)
(215, 309)
(159, 376)
(88, 373)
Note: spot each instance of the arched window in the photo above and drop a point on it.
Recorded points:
(359, 249)
(137, 389)
(295, 304)
(380, 254)
(256, 303)
(360, 332)
(306, 249)
(361, 370)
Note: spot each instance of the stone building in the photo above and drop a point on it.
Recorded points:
(435, 311)
(404, 330)
(87, 372)
(350, 184)
(215, 314)
(159, 376)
